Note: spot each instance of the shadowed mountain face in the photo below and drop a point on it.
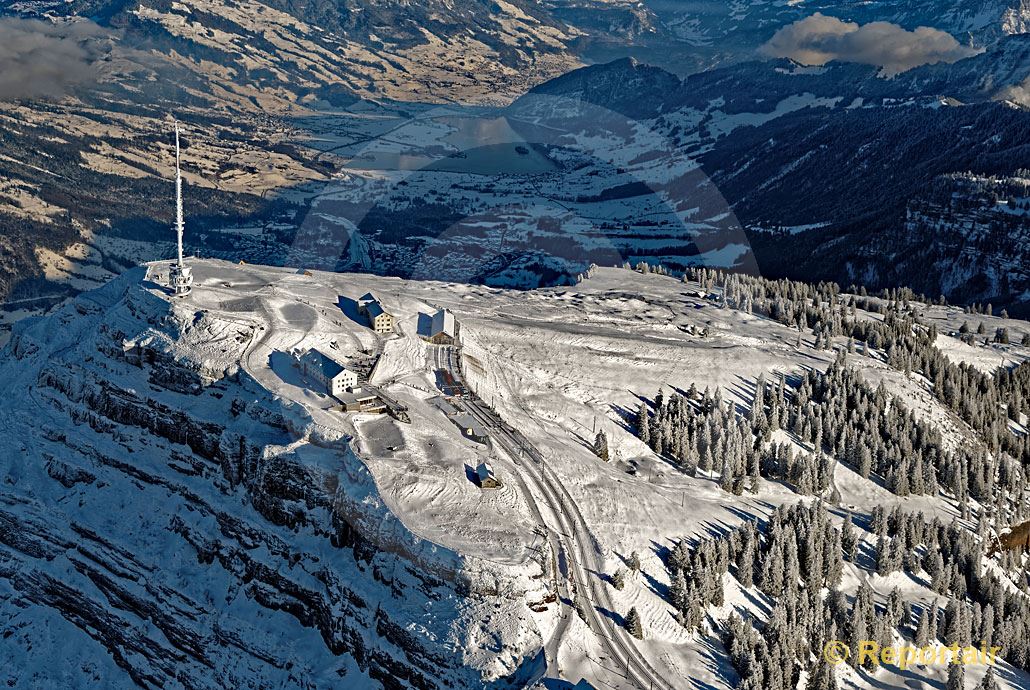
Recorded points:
(823, 167)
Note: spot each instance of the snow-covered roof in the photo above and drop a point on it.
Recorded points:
(469, 423)
(367, 299)
(357, 397)
(443, 322)
(443, 405)
(328, 366)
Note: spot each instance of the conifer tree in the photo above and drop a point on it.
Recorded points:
(601, 446)
(634, 625)
(619, 579)
(922, 637)
(848, 539)
(895, 608)
(956, 677)
(883, 557)
(988, 682)
(678, 591)
(823, 676)
(643, 424)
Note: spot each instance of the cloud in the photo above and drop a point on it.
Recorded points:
(40, 59)
(1019, 93)
(819, 39)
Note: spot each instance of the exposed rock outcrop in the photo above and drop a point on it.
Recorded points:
(194, 535)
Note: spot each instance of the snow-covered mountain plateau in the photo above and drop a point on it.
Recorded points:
(515, 344)
(512, 493)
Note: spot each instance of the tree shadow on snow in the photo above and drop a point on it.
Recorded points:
(865, 557)
(746, 516)
(1014, 678)
(746, 389)
(717, 660)
(616, 618)
(717, 529)
(656, 586)
(759, 602)
(625, 418)
(662, 551)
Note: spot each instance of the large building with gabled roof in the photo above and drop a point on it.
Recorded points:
(335, 377)
(443, 330)
(379, 319)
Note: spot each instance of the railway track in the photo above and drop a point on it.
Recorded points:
(581, 549)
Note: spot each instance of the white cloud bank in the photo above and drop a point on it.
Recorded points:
(819, 39)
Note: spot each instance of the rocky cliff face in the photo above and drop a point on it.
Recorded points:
(165, 522)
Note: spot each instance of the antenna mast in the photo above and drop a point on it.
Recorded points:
(179, 223)
(180, 276)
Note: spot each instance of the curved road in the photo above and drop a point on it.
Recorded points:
(570, 528)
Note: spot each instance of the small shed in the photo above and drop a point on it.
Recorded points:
(486, 476)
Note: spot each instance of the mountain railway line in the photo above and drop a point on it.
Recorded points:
(571, 531)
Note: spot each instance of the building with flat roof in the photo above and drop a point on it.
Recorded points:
(358, 400)
(334, 377)
(470, 427)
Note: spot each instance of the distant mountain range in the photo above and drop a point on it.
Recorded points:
(280, 100)
(824, 164)
(687, 36)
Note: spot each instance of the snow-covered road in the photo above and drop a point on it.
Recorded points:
(568, 528)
